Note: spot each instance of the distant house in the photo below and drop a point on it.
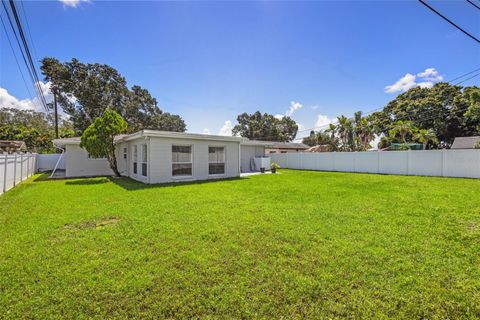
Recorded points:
(11, 146)
(278, 147)
(465, 142)
(319, 148)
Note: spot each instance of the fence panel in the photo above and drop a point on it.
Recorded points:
(46, 162)
(14, 168)
(449, 163)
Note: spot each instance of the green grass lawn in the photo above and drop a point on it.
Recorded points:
(295, 245)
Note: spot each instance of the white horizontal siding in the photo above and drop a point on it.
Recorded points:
(77, 163)
(160, 159)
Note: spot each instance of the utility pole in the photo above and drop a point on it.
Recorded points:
(56, 113)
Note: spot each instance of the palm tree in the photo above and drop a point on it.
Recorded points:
(402, 128)
(344, 130)
(425, 136)
(332, 129)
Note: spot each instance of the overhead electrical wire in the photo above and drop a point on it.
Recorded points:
(16, 59)
(25, 55)
(473, 4)
(21, 50)
(27, 50)
(449, 21)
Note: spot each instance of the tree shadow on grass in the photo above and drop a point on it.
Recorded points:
(87, 181)
(133, 185)
(127, 183)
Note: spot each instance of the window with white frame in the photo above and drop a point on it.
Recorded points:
(90, 157)
(144, 160)
(216, 160)
(182, 160)
(135, 153)
(124, 153)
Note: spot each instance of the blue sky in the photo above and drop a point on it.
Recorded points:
(210, 61)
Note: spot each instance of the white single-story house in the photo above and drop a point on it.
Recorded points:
(151, 156)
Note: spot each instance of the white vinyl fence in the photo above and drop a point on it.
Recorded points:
(442, 163)
(14, 168)
(47, 162)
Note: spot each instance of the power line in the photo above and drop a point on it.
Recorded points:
(473, 4)
(27, 52)
(446, 19)
(463, 75)
(35, 55)
(15, 56)
(21, 51)
(475, 75)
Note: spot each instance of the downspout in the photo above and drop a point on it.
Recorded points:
(58, 161)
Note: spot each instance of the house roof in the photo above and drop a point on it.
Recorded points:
(465, 142)
(14, 144)
(276, 144)
(178, 135)
(155, 133)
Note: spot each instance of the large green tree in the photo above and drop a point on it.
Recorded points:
(36, 129)
(85, 91)
(99, 137)
(258, 126)
(449, 110)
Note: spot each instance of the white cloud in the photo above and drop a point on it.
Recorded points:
(72, 3)
(403, 84)
(206, 131)
(279, 116)
(322, 121)
(9, 101)
(226, 130)
(293, 107)
(427, 79)
(430, 74)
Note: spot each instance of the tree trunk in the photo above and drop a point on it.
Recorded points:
(112, 160)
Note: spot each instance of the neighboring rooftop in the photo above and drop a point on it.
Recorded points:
(12, 145)
(465, 142)
(276, 144)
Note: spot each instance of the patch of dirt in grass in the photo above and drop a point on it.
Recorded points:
(472, 226)
(92, 224)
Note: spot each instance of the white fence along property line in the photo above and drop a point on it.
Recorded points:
(14, 168)
(47, 162)
(441, 163)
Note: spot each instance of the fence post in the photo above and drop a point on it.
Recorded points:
(15, 170)
(5, 173)
(28, 166)
(21, 166)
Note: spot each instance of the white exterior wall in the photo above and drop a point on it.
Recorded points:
(159, 154)
(77, 163)
(248, 152)
(446, 163)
